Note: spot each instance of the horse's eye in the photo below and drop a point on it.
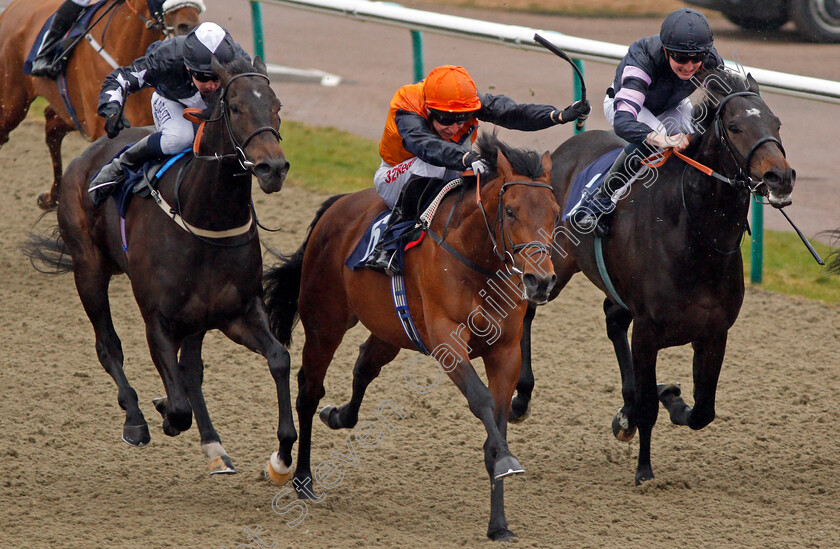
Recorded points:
(509, 212)
(733, 128)
(234, 109)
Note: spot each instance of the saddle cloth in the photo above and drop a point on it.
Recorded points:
(402, 236)
(78, 28)
(587, 183)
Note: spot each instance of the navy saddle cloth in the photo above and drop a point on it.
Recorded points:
(78, 28)
(392, 240)
(142, 181)
(587, 183)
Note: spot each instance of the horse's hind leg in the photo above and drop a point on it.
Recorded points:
(708, 359)
(618, 322)
(55, 129)
(14, 104)
(520, 407)
(373, 354)
(92, 285)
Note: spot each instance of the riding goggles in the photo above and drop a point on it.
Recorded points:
(204, 76)
(445, 118)
(683, 58)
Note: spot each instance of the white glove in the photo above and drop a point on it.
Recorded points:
(479, 167)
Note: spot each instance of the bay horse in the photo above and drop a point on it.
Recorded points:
(194, 267)
(444, 285)
(123, 33)
(673, 255)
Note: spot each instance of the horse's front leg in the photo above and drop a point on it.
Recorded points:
(176, 409)
(253, 332)
(646, 405)
(708, 359)
(618, 322)
(56, 129)
(521, 405)
(502, 367)
(498, 459)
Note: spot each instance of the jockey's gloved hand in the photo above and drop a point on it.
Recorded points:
(115, 123)
(579, 110)
(473, 161)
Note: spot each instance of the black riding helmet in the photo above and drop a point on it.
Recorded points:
(686, 31)
(205, 41)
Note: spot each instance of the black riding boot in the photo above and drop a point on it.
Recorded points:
(61, 23)
(112, 175)
(383, 260)
(601, 207)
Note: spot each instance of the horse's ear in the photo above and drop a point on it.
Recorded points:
(546, 163)
(503, 166)
(260, 66)
(752, 85)
(220, 70)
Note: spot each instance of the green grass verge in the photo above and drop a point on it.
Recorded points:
(788, 268)
(329, 160)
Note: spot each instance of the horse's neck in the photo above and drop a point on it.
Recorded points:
(215, 194)
(469, 229)
(125, 35)
(717, 212)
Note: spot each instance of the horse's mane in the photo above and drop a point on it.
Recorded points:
(717, 84)
(524, 161)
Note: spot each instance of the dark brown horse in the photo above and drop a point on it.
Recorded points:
(673, 255)
(192, 272)
(124, 35)
(450, 293)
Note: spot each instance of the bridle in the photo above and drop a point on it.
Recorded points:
(509, 248)
(743, 178)
(224, 115)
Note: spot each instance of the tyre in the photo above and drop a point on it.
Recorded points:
(757, 24)
(817, 20)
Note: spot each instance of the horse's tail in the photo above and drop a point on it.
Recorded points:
(832, 263)
(282, 285)
(47, 252)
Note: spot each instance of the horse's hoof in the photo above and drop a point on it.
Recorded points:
(222, 465)
(664, 391)
(502, 534)
(277, 472)
(45, 202)
(329, 415)
(160, 405)
(643, 476)
(517, 415)
(621, 428)
(506, 467)
(136, 435)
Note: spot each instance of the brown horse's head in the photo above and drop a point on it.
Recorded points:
(246, 122)
(180, 16)
(519, 191)
(749, 134)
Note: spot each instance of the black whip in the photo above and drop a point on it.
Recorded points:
(804, 240)
(560, 53)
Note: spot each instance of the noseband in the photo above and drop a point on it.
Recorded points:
(225, 116)
(743, 179)
(506, 255)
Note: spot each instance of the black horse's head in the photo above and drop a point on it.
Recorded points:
(246, 122)
(746, 132)
(518, 187)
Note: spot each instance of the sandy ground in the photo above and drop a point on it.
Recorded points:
(764, 474)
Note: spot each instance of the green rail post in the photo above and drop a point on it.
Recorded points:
(256, 22)
(417, 46)
(578, 89)
(757, 248)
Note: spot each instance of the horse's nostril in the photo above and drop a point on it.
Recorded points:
(772, 177)
(530, 280)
